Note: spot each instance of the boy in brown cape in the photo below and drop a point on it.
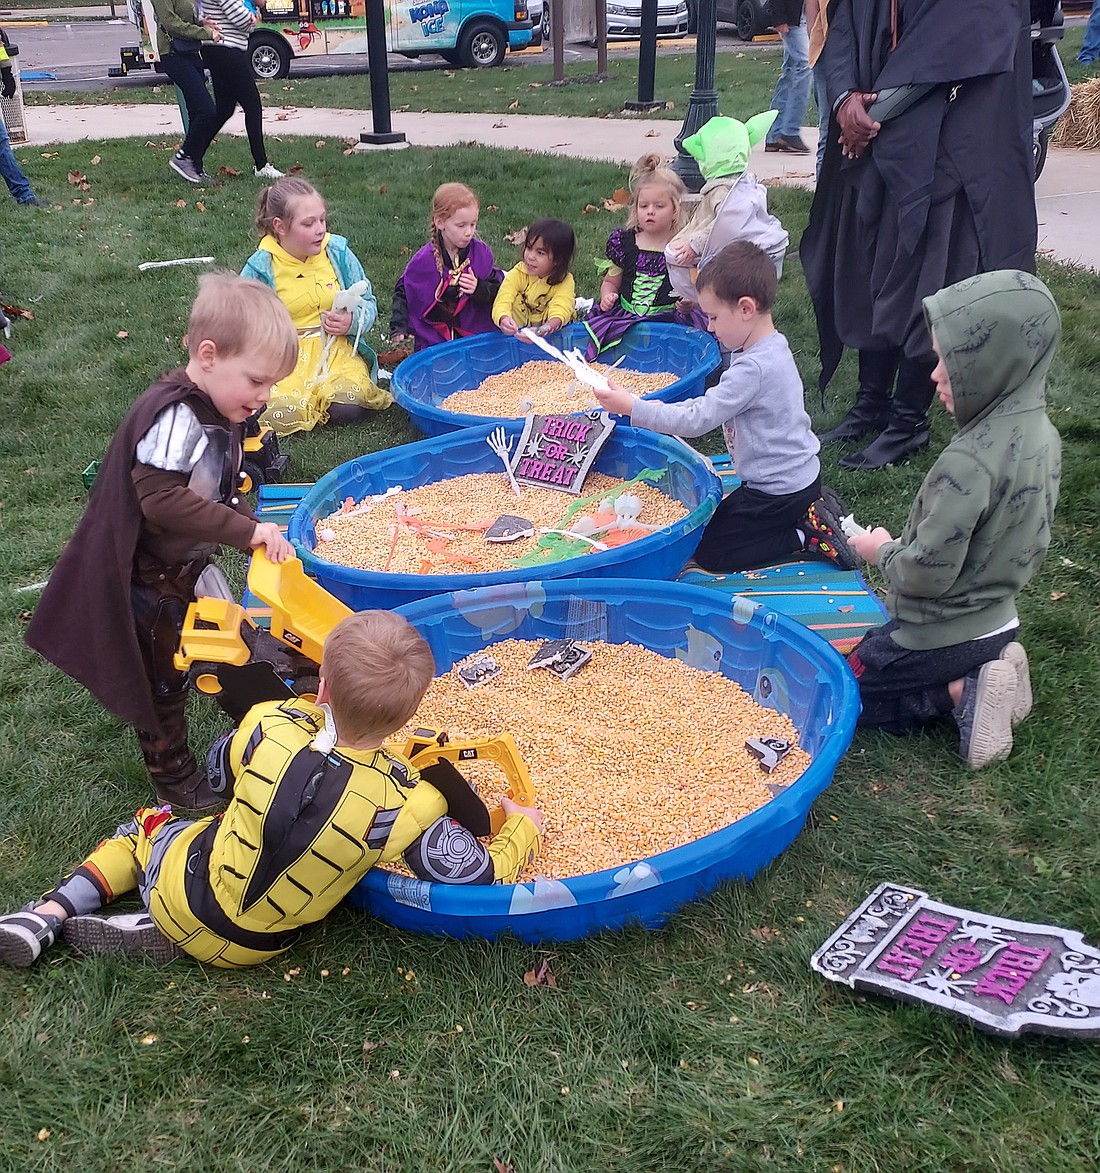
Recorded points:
(167, 494)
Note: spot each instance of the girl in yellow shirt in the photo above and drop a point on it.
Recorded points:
(539, 292)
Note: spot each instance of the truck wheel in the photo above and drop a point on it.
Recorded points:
(482, 45)
(270, 56)
(451, 56)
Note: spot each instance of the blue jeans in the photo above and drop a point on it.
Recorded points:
(792, 91)
(17, 182)
(1090, 50)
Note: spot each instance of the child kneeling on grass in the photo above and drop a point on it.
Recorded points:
(780, 508)
(317, 801)
(978, 529)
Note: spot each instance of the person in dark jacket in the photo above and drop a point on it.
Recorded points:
(166, 495)
(792, 91)
(929, 186)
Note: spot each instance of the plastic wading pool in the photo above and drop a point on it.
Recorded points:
(781, 664)
(686, 477)
(426, 378)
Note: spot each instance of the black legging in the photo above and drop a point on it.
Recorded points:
(234, 85)
(186, 70)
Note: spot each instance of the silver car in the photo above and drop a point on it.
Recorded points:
(624, 18)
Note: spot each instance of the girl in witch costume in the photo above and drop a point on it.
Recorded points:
(448, 288)
(636, 285)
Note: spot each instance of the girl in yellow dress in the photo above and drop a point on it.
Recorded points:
(321, 282)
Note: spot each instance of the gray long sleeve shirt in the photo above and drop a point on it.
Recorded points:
(759, 405)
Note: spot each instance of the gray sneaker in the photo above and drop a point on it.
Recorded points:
(132, 933)
(1015, 655)
(984, 714)
(185, 168)
(24, 935)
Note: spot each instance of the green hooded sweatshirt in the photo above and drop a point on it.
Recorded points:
(980, 525)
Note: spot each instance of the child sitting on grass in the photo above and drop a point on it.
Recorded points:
(539, 292)
(166, 496)
(317, 801)
(780, 508)
(978, 529)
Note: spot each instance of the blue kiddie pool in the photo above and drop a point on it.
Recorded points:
(426, 378)
(685, 476)
(780, 663)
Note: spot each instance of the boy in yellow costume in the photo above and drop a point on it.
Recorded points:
(316, 803)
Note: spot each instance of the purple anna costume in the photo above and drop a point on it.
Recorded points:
(645, 293)
(437, 310)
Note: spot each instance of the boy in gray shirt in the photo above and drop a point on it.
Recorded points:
(780, 508)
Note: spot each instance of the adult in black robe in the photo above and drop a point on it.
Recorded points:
(906, 206)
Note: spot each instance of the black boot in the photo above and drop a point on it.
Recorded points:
(871, 411)
(907, 431)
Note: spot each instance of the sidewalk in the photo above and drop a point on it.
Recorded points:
(1067, 194)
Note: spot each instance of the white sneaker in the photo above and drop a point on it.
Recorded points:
(984, 714)
(1015, 655)
(133, 933)
(24, 934)
(268, 172)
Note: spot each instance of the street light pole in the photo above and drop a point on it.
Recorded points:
(703, 103)
(383, 134)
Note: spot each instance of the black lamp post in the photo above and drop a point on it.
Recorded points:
(383, 134)
(703, 103)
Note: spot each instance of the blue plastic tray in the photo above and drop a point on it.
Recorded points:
(780, 663)
(687, 478)
(425, 379)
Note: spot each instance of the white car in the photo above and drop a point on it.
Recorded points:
(539, 12)
(624, 19)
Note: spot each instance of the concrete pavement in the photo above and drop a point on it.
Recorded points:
(1067, 194)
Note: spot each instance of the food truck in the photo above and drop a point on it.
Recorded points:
(469, 33)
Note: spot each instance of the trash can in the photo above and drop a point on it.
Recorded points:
(12, 108)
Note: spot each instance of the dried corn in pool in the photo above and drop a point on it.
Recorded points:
(420, 531)
(635, 755)
(546, 387)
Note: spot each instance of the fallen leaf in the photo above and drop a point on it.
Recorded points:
(1057, 596)
(200, 206)
(43, 1134)
(540, 976)
(232, 172)
(652, 134)
(518, 237)
(14, 311)
(181, 203)
(320, 144)
(404, 250)
(383, 190)
(499, 125)
(50, 154)
(369, 1046)
(764, 933)
(282, 117)
(77, 177)
(534, 85)
(491, 208)
(295, 169)
(349, 151)
(590, 208)
(96, 160)
(498, 1165)
(123, 334)
(514, 105)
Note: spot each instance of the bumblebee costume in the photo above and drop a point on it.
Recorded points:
(302, 828)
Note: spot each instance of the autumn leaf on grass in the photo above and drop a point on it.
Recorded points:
(514, 105)
(540, 976)
(123, 334)
(50, 154)
(349, 151)
(79, 180)
(320, 144)
(14, 311)
(590, 208)
(1058, 596)
(518, 237)
(295, 170)
(620, 198)
(200, 206)
(181, 203)
(232, 172)
(383, 190)
(96, 160)
(764, 933)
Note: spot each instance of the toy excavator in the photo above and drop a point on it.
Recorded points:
(231, 659)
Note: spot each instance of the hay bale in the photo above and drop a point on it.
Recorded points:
(1080, 125)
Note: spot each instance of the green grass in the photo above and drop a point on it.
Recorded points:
(745, 82)
(703, 1047)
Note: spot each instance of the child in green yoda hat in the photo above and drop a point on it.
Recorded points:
(734, 204)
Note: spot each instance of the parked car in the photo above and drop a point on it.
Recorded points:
(539, 12)
(748, 17)
(624, 19)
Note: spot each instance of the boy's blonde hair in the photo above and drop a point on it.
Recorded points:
(277, 202)
(648, 172)
(448, 198)
(376, 667)
(241, 316)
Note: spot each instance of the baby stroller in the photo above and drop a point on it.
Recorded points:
(1049, 84)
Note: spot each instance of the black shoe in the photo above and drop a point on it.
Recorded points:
(857, 424)
(788, 145)
(185, 168)
(824, 535)
(33, 202)
(892, 447)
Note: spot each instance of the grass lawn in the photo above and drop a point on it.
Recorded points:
(706, 1046)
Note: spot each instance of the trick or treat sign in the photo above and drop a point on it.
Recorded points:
(1009, 976)
(557, 451)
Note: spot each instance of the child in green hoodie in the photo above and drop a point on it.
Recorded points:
(978, 529)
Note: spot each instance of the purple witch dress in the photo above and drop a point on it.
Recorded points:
(438, 312)
(646, 293)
